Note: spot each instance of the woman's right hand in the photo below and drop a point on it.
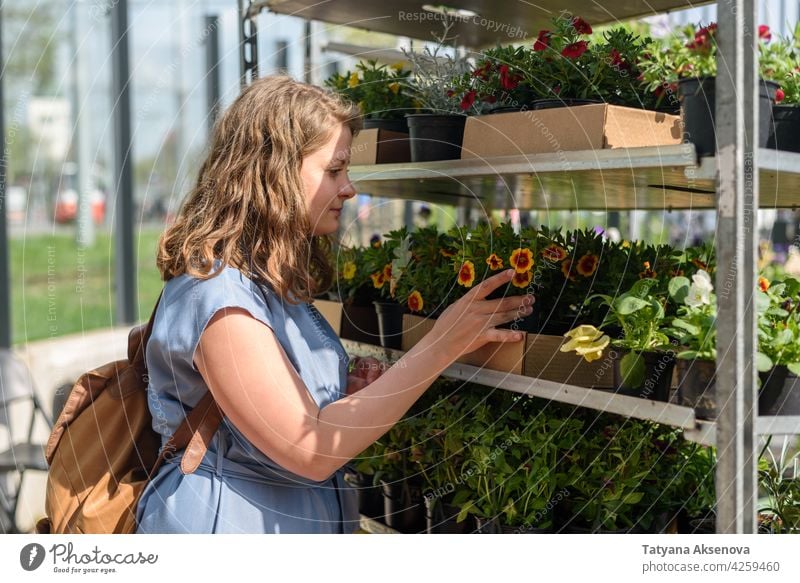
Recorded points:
(469, 323)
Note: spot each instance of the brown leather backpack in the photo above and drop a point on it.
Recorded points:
(103, 449)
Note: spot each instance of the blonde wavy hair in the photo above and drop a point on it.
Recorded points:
(248, 207)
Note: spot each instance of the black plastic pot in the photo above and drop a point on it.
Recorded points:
(555, 102)
(698, 102)
(370, 497)
(404, 509)
(390, 323)
(647, 375)
(391, 125)
(440, 518)
(435, 137)
(779, 393)
(697, 387)
(784, 133)
(360, 323)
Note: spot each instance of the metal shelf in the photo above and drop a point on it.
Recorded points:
(697, 430)
(497, 22)
(652, 178)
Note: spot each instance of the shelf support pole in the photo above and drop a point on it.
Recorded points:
(737, 201)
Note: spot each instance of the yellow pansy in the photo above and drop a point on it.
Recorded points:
(353, 81)
(349, 270)
(586, 341)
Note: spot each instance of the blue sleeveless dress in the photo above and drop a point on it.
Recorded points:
(238, 489)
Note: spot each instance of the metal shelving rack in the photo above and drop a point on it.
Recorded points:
(735, 182)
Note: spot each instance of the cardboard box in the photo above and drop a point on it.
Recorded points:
(376, 146)
(506, 357)
(544, 360)
(585, 127)
(332, 312)
(537, 357)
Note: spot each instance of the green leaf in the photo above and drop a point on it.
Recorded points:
(684, 325)
(628, 305)
(763, 362)
(679, 288)
(794, 368)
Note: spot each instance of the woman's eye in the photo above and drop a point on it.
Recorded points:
(335, 171)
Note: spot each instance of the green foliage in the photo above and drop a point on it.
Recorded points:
(380, 91)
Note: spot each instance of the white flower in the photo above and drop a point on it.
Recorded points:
(700, 290)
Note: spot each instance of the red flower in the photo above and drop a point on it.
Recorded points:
(542, 41)
(522, 279)
(483, 71)
(779, 95)
(581, 26)
(508, 82)
(763, 284)
(521, 260)
(702, 37)
(566, 269)
(466, 275)
(575, 50)
(494, 262)
(415, 301)
(488, 98)
(764, 33)
(468, 100)
(450, 92)
(616, 58)
(587, 264)
(554, 253)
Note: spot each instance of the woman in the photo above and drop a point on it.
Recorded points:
(242, 263)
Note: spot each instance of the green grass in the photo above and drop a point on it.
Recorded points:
(58, 289)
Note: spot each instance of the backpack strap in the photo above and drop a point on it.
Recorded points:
(198, 428)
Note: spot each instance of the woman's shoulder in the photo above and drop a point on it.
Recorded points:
(225, 281)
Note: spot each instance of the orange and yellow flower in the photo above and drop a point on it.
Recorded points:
(415, 302)
(647, 273)
(566, 269)
(521, 260)
(447, 252)
(394, 87)
(353, 80)
(700, 264)
(587, 264)
(378, 279)
(387, 271)
(466, 275)
(522, 279)
(763, 284)
(554, 253)
(348, 270)
(494, 262)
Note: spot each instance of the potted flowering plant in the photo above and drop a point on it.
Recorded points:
(382, 93)
(355, 289)
(695, 329)
(780, 61)
(779, 347)
(567, 67)
(688, 63)
(384, 262)
(437, 132)
(644, 368)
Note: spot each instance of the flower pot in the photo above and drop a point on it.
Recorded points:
(552, 103)
(403, 506)
(435, 137)
(440, 518)
(360, 323)
(370, 497)
(391, 125)
(779, 393)
(698, 102)
(784, 133)
(390, 323)
(495, 526)
(697, 387)
(647, 375)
